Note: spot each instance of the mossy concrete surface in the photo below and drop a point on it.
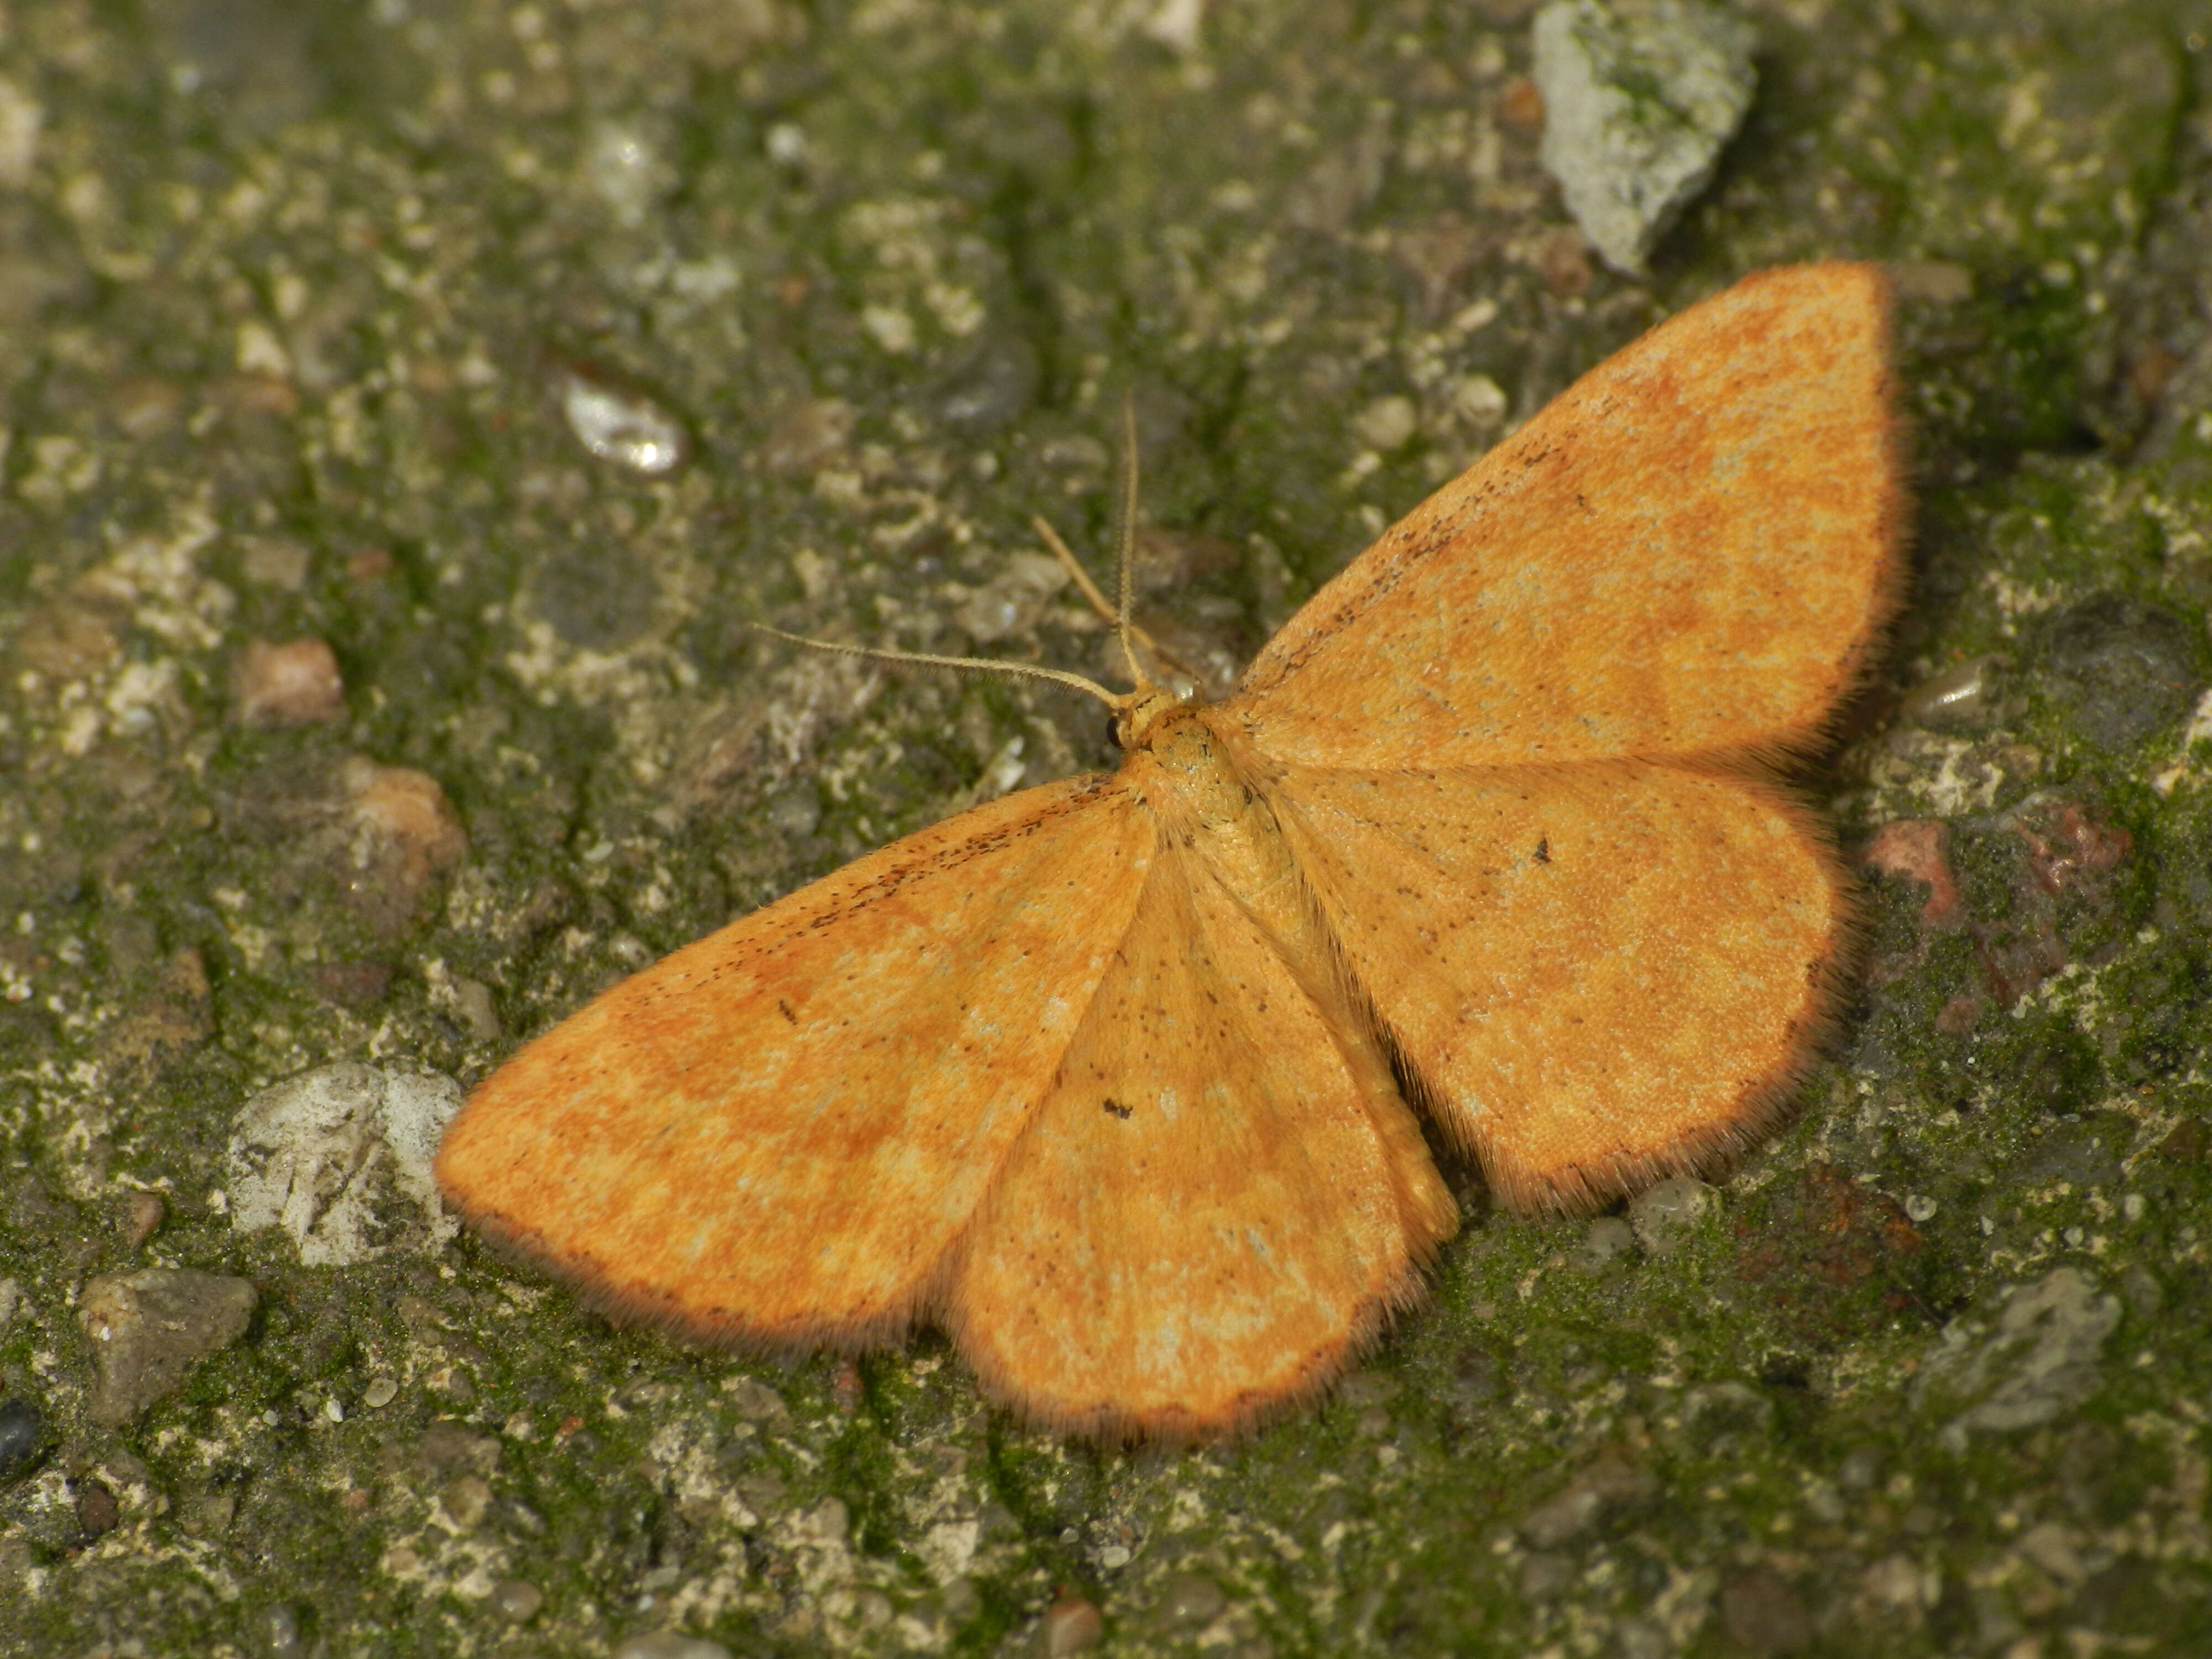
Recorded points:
(407, 405)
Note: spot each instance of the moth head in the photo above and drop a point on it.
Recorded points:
(1138, 715)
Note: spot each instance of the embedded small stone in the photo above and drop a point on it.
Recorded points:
(754, 1401)
(1544, 1575)
(1561, 258)
(761, 1492)
(1664, 1216)
(1639, 1638)
(274, 561)
(1860, 1469)
(410, 808)
(2053, 1549)
(809, 435)
(445, 1448)
(464, 1500)
(351, 984)
(176, 1013)
(2151, 371)
(1197, 654)
(829, 1521)
(794, 812)
(1012, 601)
(1072, 1625)
(22, 1437)
(1761, 1613)
(2123, 667)
(1958, 1015)
(1520, 104)
(479, 1014)
(145, 406)
(1479, 399)
(1608, 1240)
(1169, 560)
(1919, 849)
(1075, 452)
(251, 396)
(670, 1644)
(993, 383)
(296, 684)
(380, 1392)
(2186, 1142)
(1720, 1415)
(962, 1601)
(1957, 697)
(281, 1638)
(67, 640)
(1821, 1236)
(2069, 845)
(143, 1219)
(1611, 1483)
(149, 1329)
(517, 1599)
(1385, 423)
(2042, 1357)
(623, 163)
(209, 1514)
(1190, 1598)
(97, 1511)
(406, 836)
(619, 422)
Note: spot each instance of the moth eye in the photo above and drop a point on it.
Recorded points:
(1114, 734)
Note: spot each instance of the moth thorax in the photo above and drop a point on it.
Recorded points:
(1137, 725)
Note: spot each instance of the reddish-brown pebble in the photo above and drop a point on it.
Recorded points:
(97, 1511)
(409, 812)
(1522, 105)
(1072, 1625)
(1918, 849)
(1961, 1015)
(146, 1215)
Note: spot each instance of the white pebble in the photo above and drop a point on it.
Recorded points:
(620, 424)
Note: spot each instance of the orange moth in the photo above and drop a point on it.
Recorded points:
(1116, 1079)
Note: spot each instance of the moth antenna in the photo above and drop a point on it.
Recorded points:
(1020, 670)
(1059, 548)
(1051, 539)
(1125, 544)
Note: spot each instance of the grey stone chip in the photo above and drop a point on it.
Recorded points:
(1639, 101)
(149, 1329)
(2041, 1358)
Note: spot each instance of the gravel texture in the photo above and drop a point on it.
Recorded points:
(405, 406)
